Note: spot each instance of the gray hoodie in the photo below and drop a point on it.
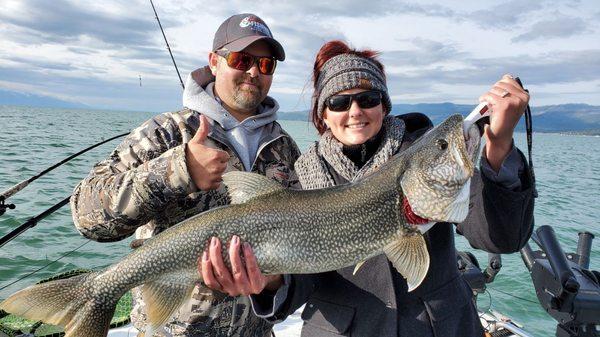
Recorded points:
(244, 136)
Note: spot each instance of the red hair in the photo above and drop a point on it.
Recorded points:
(327, 51)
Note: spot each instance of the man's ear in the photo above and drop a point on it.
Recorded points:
(203, 76)
(213, 60)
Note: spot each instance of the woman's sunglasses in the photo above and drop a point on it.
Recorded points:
(244, 61)
(365, 100)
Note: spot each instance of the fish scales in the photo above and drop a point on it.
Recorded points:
(302, 239)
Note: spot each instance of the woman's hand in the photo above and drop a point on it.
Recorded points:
(244, 278)
(506, 101)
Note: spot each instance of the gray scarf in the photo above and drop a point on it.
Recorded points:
(311, 167)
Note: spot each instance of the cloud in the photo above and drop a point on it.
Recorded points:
(506, 14)
(476, 75)
(94, 51)
(559, 67)
(322, 10)
(63, 21)
(559, 27)
(425, 52)
(553, 67)
(39, 64)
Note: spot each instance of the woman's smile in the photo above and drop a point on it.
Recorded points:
(357, 125)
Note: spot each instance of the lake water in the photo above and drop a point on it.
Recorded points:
(31, 139)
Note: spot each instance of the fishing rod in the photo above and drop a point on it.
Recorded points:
(32, 222)
(167, 42)
(18, 187)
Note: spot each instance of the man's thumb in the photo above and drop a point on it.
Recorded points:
(202, 131)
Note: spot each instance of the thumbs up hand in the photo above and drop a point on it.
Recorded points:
(205, 164)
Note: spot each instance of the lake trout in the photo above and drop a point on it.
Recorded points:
(290, 231)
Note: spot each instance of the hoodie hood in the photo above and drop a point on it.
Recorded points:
(199, 96)
(245, 136)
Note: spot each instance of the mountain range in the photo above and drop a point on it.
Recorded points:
(8, 97)
(564, 118)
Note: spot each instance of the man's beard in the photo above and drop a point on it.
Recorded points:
(247, 98)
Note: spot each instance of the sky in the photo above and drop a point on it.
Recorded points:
(94, 52)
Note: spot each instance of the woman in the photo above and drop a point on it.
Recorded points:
(350, 110)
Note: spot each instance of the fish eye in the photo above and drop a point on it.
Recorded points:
(442, 144)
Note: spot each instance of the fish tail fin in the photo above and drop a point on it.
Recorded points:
(410, 257)
(65, 302)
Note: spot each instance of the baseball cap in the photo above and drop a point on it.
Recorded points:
(241, 30)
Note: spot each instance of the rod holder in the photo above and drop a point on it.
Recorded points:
(584, 248)
(493, 267)
(527, 256)
(559, 265)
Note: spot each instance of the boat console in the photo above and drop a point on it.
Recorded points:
(565, 286)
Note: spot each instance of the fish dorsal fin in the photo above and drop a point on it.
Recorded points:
(243, 186)
(410, 257)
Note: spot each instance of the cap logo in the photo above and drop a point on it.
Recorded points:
(256, 25)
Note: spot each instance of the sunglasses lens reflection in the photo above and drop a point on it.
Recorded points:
(368, 99)
(339, 102)
(266, 65)
(242, 61)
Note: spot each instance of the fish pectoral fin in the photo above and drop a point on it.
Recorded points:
(357, 267)
(410, 257)
(243, 186)
(162, 298)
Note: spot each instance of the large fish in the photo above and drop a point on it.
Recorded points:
(290, 231)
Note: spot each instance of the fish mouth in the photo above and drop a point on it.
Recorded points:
(465, 152)
(472, 143)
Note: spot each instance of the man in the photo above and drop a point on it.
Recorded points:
(170, 168)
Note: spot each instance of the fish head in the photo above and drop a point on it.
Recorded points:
(441, 163)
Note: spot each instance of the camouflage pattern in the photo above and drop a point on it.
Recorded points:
(144, 187)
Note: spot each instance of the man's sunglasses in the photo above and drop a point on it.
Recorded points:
(365, 100)
(244, 61)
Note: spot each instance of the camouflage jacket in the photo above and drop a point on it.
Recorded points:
(144, 187)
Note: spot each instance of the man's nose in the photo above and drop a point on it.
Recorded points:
(253, 71)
